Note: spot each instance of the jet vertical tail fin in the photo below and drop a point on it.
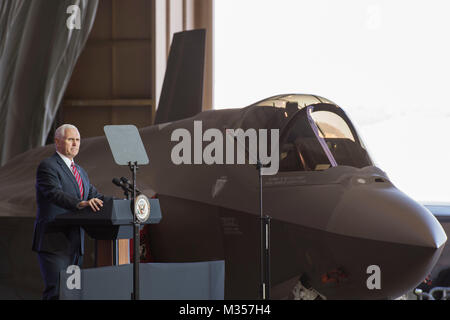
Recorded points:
(182, 91)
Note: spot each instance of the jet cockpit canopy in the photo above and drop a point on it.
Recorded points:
(315, 133)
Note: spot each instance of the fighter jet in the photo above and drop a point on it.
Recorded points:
(338, 224)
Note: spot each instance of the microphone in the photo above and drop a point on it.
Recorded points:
(128, 183)
(121, 184)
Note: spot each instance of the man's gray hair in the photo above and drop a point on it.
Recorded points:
(59, 133)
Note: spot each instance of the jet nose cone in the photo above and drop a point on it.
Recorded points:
(379, 211)
(391, 231)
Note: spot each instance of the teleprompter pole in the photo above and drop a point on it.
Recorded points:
(136, 239)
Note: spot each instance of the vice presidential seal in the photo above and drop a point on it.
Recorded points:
(142, 208)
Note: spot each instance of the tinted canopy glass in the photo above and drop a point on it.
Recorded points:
(315, 133)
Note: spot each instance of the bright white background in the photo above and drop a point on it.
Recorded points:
(386, 63)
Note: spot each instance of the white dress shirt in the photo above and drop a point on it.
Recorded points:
(67, 161)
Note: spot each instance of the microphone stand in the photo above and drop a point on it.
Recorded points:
(264, 241)
(264, 235)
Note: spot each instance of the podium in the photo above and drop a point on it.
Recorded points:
(114, 221)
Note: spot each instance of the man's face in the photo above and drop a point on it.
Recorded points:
(69, 144)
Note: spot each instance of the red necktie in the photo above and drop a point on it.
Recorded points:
(78, 178)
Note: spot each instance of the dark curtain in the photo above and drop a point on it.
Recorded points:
(38, 51)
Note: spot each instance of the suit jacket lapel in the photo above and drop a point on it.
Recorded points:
(68, 173)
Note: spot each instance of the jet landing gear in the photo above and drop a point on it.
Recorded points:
(304, 291)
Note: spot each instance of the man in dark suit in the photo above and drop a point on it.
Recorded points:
(61, 186)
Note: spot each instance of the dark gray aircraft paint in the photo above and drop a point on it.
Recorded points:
(331, 220)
